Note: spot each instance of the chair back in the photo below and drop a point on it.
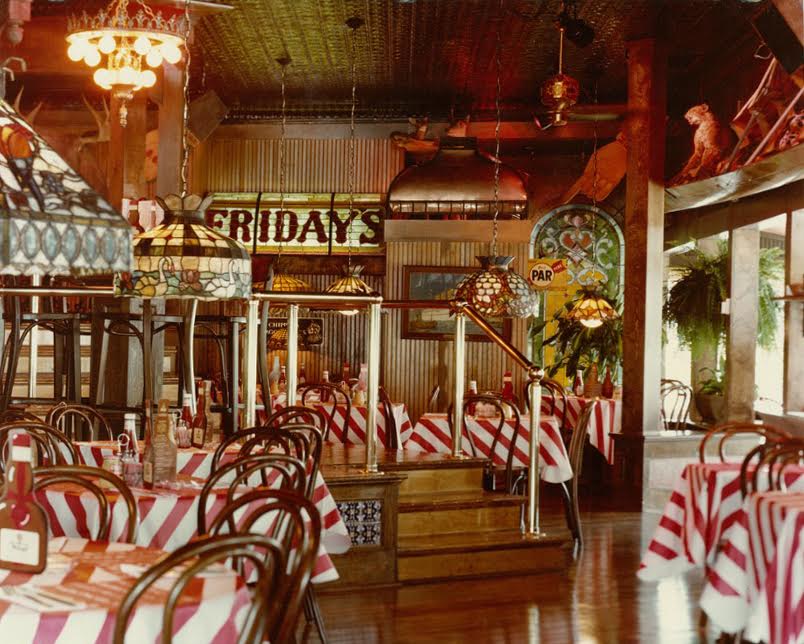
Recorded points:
(13, 414)
(88, 478)
(729, 430)
(578, 439)
(51, 446)
(391, 434)
(292, 521)
(555, 396)
(329, 394)
(75, 420)
(300, 414)
(675, 397)
(237, 438)
(283, 441)
(276, 581)
(276, 471)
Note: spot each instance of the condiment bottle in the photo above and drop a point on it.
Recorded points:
(148, 455)
(347, 373)
(508, 388)
(23, 523)
(577, 385)
(302, 375)
(130, 430)
(164, 444)
(283, 379)
(199, 423)
(472, 408)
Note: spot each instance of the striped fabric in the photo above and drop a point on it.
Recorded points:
(607, 419)
(757, 582)
(432, 434)
(212, 609)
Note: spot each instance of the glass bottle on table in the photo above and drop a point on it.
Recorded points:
(23, 523)
(283, 379)
(185, 422)
(199, 422)
(325, 380)
(148, 456)
(577, 384)
(471, 410)
(302, 375)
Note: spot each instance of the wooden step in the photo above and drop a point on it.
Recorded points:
(499, 552)
(441, 479)
(457, 512)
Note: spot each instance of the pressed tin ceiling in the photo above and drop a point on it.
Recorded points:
(434, 56)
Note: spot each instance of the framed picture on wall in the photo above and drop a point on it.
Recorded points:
(438, 283)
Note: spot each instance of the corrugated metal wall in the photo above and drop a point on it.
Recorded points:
(413, 367)
(313, 165)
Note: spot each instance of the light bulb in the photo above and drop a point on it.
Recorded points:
(592, 324)
(128, 76)
(107, 44)
(147, 78)
(103, 77)
(351, 312)
(92, 56)
(154, 57)
(171, 53)
(75, 51)
(142, 45)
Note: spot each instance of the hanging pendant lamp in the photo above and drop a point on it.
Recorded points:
(496, 290)
(183, 257)
(351, 283)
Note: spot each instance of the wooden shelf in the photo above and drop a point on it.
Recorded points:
(771, 172)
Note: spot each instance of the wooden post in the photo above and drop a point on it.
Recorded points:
(644, 236)
(171, 109)
(741, 344)
(794, 314)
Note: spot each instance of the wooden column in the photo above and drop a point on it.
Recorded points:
(706, 356)
(115, 164)
(126, 161)
(741, 344)
(794, 314)
(171, 109)
(644, 236)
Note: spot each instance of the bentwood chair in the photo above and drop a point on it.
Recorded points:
(75, 421)
(553, 392)
(329, 394)
(765, 434)
(14, 414)
(773, 458)
(675, 399)
(51, 446)
(275, 471)
(577, 443)
(89, 479)
(391, 431)
(300, 414)
(295, 523)
(237, 438)
(277, 576)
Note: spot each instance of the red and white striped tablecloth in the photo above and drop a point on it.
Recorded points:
(756, 584)
(607, 419)
(212, 609)
(432, 434)
(704, 504)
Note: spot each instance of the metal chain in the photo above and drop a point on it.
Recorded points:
(284, 62)
(352, 147)
(594, 185)
(498, 110)
(185, 139)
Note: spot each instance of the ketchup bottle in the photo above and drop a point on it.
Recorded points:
(472, 392)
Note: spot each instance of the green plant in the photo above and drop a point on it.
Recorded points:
(693, 304)
(714, 385)
(577, 346)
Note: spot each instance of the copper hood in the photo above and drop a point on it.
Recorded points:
(458, 183)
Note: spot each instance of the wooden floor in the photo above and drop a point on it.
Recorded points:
(598, 599)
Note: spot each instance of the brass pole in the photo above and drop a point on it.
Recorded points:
(250, 366)
(308, 299)
(57, 292)
(188, 322)
(293, 353)
(373, 384)
(33, 343)
(459, 359)
(534, 478)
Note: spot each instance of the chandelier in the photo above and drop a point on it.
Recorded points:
(560, 92)
(592, 310)
(125, 46)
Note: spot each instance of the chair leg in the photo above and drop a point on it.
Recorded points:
(313, 613)
(570, 510)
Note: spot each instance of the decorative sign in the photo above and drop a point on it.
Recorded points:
(318, 224)
(547, 274)
(310, 333)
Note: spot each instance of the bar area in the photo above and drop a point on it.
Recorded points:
(402, 321)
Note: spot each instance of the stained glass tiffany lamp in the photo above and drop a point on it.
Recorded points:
(592, 311)
(184, 258)
(51, 221)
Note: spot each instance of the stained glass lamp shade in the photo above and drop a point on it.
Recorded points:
(184, 258)
(51, 221)
(497, 291)
(350, 284)
(592, 310)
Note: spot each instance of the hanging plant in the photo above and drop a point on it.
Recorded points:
(577, 346)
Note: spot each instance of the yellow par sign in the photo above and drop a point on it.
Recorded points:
(548, 274)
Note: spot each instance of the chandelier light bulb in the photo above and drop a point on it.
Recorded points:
(147, 78)
(171, 53)
(592, 324)
(128, 76)
(103, 78)
(107, 44)
(92, 56)
(75, 51)
(142, 45)
(154, 57)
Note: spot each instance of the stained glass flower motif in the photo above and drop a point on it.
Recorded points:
(497, 291)
(184, 258)
(53, 222)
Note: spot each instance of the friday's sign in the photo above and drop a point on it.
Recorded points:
(318, 224)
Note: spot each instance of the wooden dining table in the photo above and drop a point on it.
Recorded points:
(75, 599)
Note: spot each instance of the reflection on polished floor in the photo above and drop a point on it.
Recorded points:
(598, 599)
